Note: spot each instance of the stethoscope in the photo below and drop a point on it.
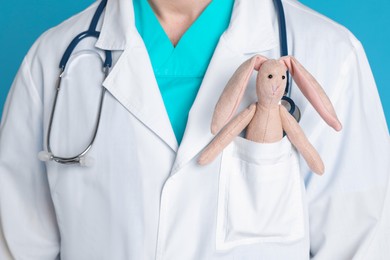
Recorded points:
(81, 158)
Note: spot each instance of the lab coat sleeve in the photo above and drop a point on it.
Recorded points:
(349, 207)
(28, 227)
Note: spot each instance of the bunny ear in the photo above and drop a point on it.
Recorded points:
(233, 93)
(312, 90)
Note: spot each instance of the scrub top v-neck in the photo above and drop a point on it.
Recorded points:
(179, 70)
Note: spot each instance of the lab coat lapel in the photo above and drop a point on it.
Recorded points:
(251, 31)
(133, 84)
(132, 81)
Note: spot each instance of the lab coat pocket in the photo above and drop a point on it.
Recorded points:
(260, 196)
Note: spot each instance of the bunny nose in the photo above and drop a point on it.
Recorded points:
(274, 88)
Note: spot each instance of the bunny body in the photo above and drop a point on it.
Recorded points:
(266, 125)
(267, 119)
(263, 130)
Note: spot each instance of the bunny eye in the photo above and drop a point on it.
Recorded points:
(283, 77)
(270, 76)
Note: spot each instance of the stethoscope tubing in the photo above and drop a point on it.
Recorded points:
(283, 39)
(76, 158)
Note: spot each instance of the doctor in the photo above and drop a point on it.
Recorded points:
(145, 196)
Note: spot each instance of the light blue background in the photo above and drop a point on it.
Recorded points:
(23, 21)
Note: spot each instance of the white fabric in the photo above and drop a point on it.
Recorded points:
(260, 197)
(147, 198)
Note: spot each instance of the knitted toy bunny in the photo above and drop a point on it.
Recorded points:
(267, 119)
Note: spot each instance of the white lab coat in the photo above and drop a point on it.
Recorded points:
(146, 198)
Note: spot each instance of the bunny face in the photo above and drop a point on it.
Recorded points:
(271, 82)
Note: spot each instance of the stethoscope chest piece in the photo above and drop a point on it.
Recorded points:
(293, 109)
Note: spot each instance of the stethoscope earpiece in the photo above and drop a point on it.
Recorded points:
(45, 156)
(87, 161)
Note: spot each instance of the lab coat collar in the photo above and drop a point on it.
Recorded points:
(118, 27)
(131, 80)
(133, 84)
(250, 30)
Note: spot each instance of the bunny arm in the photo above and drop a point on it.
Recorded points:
(298, 138)
(227, 134)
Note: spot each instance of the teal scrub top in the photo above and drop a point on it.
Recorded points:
(179, 70)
